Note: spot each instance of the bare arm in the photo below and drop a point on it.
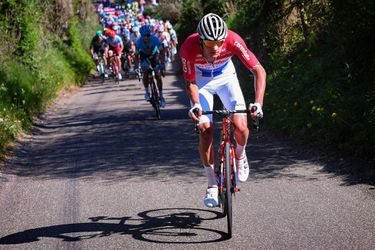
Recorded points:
(259, 83)
(192, 91)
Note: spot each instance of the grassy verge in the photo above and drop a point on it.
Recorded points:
(37, 64)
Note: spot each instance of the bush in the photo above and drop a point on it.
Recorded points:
(36, 64)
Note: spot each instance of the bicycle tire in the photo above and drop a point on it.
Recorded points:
(220, 183)
(228, 189)
(125, 66)
(115, 72)
(102, 78)
(101, 71)
(155, 98)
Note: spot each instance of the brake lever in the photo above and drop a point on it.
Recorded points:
(196, 127)
(256, 120)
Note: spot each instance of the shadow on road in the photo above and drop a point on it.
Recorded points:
(275, 156)
(124, 143)
(168, 225)
(111, 145)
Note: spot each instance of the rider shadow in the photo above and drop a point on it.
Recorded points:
(168, 225)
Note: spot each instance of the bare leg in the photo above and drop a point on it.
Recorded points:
(205, 144)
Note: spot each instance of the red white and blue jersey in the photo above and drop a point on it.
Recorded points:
(195, 65)
(115, 42)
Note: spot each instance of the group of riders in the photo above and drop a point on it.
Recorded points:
(135, 42)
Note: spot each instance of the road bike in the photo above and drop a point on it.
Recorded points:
(225, 168)
(154, 98)
(125, 64)
(100, 67)
(113, 66)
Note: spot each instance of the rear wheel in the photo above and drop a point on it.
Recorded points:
(155, 98)
(115, 72)
(101, 67)
(221, 185)
(228, 189)
(125, 66)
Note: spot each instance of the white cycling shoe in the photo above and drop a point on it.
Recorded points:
(212, 196)
(243, 169)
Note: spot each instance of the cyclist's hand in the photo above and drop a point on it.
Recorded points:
(195, 112)
(256, 110)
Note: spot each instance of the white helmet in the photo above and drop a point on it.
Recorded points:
(212, 27)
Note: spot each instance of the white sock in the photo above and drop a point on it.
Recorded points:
(240, 151)
(211, 178)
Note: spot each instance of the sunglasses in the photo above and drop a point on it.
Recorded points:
(211, 44)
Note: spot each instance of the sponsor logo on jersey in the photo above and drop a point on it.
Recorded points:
(242, 49)
(184, 67)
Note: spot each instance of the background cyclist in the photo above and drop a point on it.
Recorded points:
(115, 44)
(148, 47)
(208, 70)
(97, 49)
(128, 53)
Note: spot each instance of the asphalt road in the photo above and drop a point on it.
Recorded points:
(100, 172)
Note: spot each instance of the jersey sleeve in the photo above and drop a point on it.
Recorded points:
(119, 40)
(186, 60)
(240, 49)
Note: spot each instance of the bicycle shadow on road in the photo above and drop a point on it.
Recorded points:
(165, 225)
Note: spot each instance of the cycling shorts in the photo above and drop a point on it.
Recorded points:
(116, 50)
(100, 52)
(153, 59)
(226, 86)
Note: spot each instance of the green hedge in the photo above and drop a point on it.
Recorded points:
(320, 62)
(36, 63)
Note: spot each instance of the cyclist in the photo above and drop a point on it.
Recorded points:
(147, 48)
(115, 44)
(97, 49)
(128, 55)
(208, 70)
(173, 40)
(162, 35)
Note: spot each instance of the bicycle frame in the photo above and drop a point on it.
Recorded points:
(125, 63)
(101, 68)
(226, 169)
(226, 138)
(154, 100)
(114, 67)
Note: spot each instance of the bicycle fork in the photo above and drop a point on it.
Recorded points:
(234, 175)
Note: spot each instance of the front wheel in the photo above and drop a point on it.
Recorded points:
(115, 71)
(228, 189)
(155, 98)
